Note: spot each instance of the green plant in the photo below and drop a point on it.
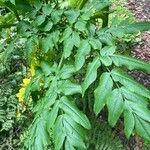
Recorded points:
(104, 138)
(72, 58)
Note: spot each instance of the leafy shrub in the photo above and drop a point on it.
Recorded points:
(72, 58)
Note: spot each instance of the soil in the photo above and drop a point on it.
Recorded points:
(141, 50)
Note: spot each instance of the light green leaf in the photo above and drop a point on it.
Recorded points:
(134, 27)
(38, 137)
(47, 9)
(122, 77)
(83, 50)
(55, 38)
(69, 88)
(115, 106)
(96, 44)
(30, 45)
(66, 33)
(131, 63)
(35, 86)
(74, 132)
(71, 109)
(56, 15)
(51, 94)
(106, 60)
(81, 25)
(129, 121)
(39, 20)
(133, 97)
(47, 43)
(67, 71)
(86, 16)
(48, 26)
(102, 91)
(91, 74)
(68, 146)
(52, 115)
(142, 128)
(108, 50)
(46, 68)
(105, 38)
(76, 39)
(59, 135)
(68, 47)
(74, 127)
(72, 15)
(141, 111)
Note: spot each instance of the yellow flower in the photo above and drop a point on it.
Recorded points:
(21, 93)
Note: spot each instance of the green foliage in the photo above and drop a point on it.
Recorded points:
(69, 52)
(104, 138)
(8, 109)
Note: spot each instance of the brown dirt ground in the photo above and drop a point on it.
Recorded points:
(141, 50)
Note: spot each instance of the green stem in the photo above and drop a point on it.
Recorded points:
(82, 3)
(61, 60)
